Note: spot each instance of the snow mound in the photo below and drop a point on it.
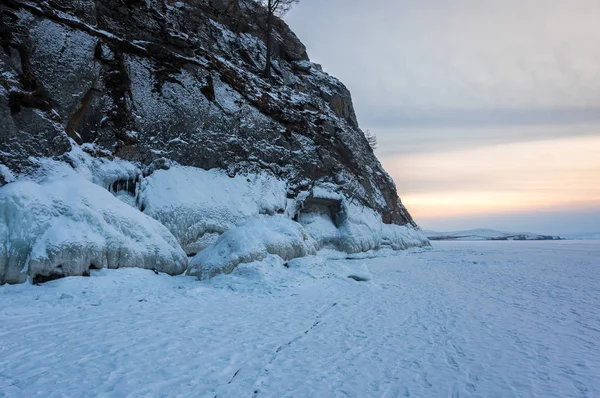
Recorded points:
(253, 241)
(197, 205)
(339, 223)
(64, 225)
(363, 275)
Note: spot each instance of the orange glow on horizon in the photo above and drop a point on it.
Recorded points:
(529, 176)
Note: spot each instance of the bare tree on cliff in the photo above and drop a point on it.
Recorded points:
(371, 139)
(275, 8)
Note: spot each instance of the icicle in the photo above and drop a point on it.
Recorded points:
(138, 184)
(26, 267)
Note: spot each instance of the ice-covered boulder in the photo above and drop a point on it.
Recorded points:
(363, 230)
(199, 205)
(401, 237)
(64, 225)
(250, 242)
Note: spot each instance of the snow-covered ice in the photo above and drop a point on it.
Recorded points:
(502, 319)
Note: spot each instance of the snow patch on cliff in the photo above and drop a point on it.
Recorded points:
(6, 173)
(78, 163)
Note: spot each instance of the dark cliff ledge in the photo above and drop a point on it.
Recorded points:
(149, 80)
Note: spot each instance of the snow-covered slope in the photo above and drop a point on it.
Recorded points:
(486, 234)
(468, 319)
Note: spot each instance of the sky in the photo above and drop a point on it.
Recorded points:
(487, 112)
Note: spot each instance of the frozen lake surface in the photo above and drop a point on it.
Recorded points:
(468, 319)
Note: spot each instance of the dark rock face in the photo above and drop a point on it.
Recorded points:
(160, 79)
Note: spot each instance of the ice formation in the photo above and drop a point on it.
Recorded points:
(84, 212)
(105, 135)
(251, 242)
(199, 205)
(64, 225)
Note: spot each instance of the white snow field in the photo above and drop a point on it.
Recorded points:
(468, 319)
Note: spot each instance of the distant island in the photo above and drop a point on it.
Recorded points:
(487, 234)
(585, 236)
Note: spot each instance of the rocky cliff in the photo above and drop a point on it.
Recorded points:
(157, 83)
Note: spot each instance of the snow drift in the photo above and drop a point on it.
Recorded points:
(250, 242)
(65, 225)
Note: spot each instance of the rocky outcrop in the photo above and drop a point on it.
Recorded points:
(163, 105)
(161, 79)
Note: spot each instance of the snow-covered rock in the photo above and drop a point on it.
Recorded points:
(199, 205)
(363, 230)
(401, 237)
(83, 212)
(65, 225)
(256, 239)
(149, 80)
(250, 242)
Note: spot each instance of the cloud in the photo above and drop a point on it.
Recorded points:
(406, 140)
(478, 118)
(459, 61)
(549, 174)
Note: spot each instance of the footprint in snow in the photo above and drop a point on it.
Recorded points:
(360, 278)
